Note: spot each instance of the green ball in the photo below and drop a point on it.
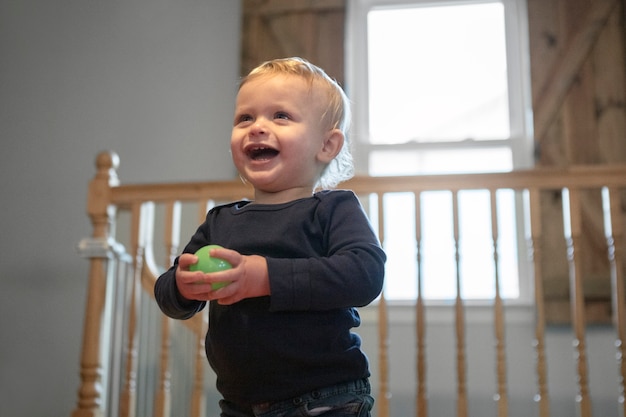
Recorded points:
(206, 263)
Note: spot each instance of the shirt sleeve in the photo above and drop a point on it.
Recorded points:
(350, 275)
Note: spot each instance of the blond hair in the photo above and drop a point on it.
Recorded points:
(337, 114)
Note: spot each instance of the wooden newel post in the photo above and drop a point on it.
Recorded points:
(98, 249)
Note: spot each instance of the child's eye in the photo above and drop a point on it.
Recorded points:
(244, 118)
(281, 115)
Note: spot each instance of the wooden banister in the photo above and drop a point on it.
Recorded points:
(99, 248)
(588, 176)
(108, 199)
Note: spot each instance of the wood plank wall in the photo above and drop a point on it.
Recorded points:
(578, 87)
(306, 28)
(578, 77)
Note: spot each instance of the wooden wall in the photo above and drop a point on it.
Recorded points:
(312, 29)
(578, 76)
(578, 86)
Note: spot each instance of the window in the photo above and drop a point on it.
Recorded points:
(443, 87)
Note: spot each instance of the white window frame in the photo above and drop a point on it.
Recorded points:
(520, 104)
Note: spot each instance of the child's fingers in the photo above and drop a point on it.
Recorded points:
(187, 259)
(229, 255)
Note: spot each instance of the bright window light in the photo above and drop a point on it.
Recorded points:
(441, 87)
(445, 70)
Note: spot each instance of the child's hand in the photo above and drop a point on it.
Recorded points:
(191, 284)
(248, 278)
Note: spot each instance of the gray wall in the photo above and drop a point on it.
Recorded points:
(153, 80)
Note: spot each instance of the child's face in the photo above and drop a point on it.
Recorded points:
(278, 138)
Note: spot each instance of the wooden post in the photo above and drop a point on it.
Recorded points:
(534, 239)
(573, 231)
(198, 401)
(498, 310)
(142, 221)
(163, 398)
(461, 367)
(420, 317)
(614, 232)
(383, 329)
(101, 215)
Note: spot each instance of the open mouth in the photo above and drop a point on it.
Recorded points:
(261, 153)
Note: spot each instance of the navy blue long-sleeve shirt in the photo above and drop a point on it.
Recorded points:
(323, 260)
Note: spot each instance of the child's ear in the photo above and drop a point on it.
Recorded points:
(333, 142)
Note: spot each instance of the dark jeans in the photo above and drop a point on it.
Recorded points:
(351, 399)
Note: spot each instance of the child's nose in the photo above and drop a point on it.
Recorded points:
(259, 127)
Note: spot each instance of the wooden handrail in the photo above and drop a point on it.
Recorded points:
(587, 176)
